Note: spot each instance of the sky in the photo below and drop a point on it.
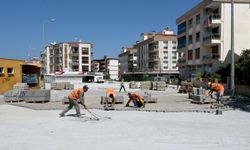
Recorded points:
(108, 24)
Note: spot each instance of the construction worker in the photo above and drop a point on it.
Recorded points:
(218, 88)
(110, 93)
(73, 96)
(138, 100)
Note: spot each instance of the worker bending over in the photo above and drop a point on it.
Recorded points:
(73, 96)
(138, 100)
(218, 89)
(110, 94)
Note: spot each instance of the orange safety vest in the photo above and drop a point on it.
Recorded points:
(217, 87)
(137, 96)
(74, 95)
(110, 91)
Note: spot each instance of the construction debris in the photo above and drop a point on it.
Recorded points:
(186, 87)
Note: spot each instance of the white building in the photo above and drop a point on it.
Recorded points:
(109, 67)
(112, 68)
(67, 57)
(157, 54)
(204, 35)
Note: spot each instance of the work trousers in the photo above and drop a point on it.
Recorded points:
(72, 103)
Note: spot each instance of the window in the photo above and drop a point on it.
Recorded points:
(165, 62)
(10, 71)
(182, 42)
(190, 54)
(198, 19)
(197, 38)
(1, 70)
(165, 57)
(174, 55)
(197, 53)
(165, 47)
(190, 23)
(165, 67)
(182, 28)
(190, 39)
(174, 62)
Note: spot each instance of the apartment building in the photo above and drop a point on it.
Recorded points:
(204, 35)
(157, 54)
(67, 56)
(109, 67)
(127, 61)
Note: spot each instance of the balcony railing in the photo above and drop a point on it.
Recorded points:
(210, 37)
(210, 57)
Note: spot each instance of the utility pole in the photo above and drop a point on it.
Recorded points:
(232, 50)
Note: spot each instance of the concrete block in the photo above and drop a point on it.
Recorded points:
(119, 100)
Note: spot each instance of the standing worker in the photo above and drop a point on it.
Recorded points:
(73, 97)
(218, 88)
(110, 93)
(138, 100)
(122, 86)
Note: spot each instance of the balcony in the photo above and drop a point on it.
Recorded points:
(210, 58)
(181, 62)
(211, 39)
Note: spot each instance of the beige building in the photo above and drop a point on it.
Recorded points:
(204, 35)
(127, 61)
(157, 54)
(67, 57)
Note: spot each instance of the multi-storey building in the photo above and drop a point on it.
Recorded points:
(109, 67)
(204, 34)
(127, 61)
(157, 54)
(67, 56)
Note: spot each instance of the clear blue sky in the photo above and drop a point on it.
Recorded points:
(108, 24)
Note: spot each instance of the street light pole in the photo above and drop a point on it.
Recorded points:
(232, 50)
(46, 21)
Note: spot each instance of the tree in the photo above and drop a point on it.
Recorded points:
(243, 66)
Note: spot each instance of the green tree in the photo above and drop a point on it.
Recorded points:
(243, 66)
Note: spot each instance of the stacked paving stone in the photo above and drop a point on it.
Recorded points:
(17, 94)
(149, 99)
(146, 85)
(154, 87)
(37, 96)
(198, 96)
(161, 86)
(61, 86)
(133, 85)
(119, 99)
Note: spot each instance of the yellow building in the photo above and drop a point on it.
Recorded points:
(18, 71)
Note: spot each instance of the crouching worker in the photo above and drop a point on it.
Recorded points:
(110, 94)
(136, 99)
(73, 96)
(218, 89)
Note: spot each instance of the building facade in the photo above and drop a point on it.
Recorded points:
(204, 35)
(108, 66)
(127, 61)
(157, 54)
(68, 56)
(14, 71)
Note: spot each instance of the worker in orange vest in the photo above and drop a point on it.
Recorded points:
(73, 96)
(138, 100)
(218, 88)
(110, 93)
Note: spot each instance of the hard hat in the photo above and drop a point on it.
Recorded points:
(209, 84)
(85, 87)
